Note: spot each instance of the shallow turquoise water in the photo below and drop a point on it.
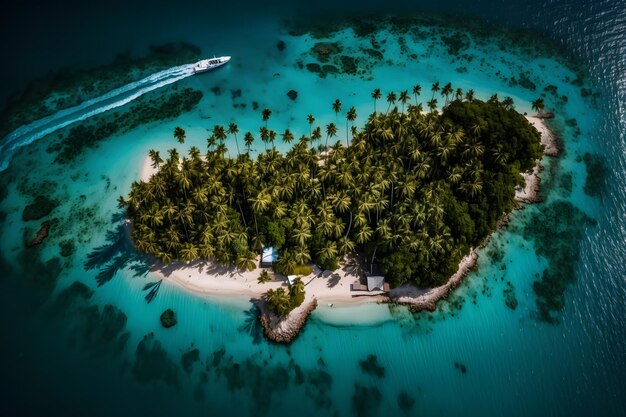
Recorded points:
(514, 363)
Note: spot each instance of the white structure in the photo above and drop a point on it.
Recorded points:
(268, 256)
(209, 64)
(375, 283)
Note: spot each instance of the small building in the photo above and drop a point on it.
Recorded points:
(376, 283)
(291, 279)
(269, 255)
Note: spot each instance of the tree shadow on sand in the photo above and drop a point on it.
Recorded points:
(119, 253)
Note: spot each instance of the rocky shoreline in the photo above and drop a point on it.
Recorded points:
(284, 329)
(417, 299)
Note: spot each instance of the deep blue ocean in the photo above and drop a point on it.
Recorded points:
(71, 347)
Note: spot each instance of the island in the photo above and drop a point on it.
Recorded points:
(395, 214)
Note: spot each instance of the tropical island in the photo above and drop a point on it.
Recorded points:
(409, 196)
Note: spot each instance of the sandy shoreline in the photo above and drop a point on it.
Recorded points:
(323, 287)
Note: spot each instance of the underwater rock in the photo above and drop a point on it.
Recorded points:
(460, 367)
(41, 207)
(371, 366)
(42, 233)
(292, 94)
(281, 45)
(168, 318)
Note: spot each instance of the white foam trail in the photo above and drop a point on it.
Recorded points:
(29, 133)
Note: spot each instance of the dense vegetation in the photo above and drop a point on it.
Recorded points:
(413, 192)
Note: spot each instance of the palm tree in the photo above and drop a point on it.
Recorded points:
(337, 107)
(507, 103)
(434, 88)
(391, 99)
(297, 287)
(446, 91)
(287, 136)
(233, 130)
(432, 104)
(350, 117)
(538, 105)
(156, 158)
(417, 89)
(246, 262)
(404, 98)
(469, 95)
(249, 140)
(376, 95)
(188, 252)
(266, 113)
(179, 134)
(331, 131)
(311, 120)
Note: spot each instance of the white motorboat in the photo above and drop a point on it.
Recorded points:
(209, 64)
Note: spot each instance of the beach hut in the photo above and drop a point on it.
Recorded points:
(291, 279)
(269, 255)
(375, 283)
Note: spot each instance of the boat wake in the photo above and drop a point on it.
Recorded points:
(29, 133)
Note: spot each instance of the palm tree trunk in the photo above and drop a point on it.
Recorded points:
(349, 225)
(242, 216)
(373, 257)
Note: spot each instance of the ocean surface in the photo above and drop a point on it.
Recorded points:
(80, 338)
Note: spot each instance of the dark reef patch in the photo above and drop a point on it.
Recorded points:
(324, 51)
(152, 363)
(98, 331)
(189, 358)
(39, 274)
(456, 42)
(319, 386)
(596, 173)
(462, 368)
(557, 229)
(39, 208)
(371, 366)
(405, 402)
(67, 248)
(509, 296)
(366, 400)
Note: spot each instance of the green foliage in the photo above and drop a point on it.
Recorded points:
(418, 189)
(303, 270)
(282, 302)
(264, 277)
